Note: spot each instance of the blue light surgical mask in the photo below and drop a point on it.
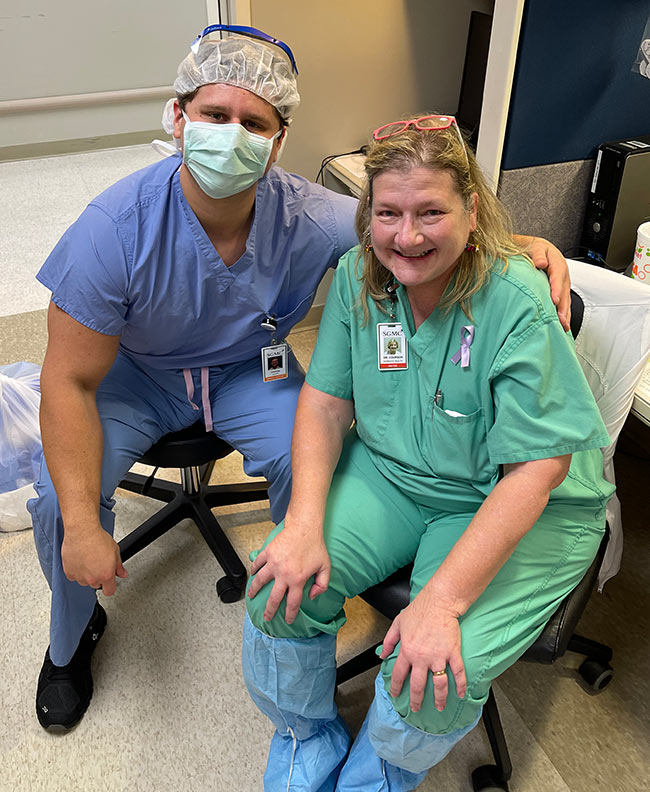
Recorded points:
(224, 159)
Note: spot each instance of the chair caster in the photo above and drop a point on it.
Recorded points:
(488, 777)
(229, 590)
(596, 675)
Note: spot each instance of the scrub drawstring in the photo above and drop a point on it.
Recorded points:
(293, 756)
(205, 394)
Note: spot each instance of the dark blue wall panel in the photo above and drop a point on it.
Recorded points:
(574, 87)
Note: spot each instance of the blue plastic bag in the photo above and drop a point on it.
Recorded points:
(20, 436)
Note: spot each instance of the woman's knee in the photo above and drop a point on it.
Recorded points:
(458, 713)
(414, 746)
(312, 619)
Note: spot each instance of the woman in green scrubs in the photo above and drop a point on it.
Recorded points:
(474, 454)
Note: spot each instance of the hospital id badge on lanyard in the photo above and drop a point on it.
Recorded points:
(275, 357)
(392, 347)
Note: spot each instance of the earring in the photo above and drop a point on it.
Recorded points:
(471, 248)
(368, 248)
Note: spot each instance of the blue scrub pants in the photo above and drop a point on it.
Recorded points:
(137, 405)
(372, 528)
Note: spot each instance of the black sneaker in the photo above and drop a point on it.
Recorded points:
(64, 692)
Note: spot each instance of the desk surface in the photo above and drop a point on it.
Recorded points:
(349, 170)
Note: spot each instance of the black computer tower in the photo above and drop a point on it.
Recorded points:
(619, 201)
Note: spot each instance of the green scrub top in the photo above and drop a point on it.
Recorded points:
(522, 397)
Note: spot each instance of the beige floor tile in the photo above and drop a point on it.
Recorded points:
(10, 549)
(23, 337)
(29, 577)
(302, 342)
(15, 775)
(10, 691)
(29, 642)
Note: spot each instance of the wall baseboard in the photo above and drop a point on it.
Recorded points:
(56, 148)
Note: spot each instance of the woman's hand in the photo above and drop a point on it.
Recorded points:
(291, 558)
(547, 257)
(430, 641)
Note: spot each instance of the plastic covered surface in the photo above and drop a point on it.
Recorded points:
(612, 346)
(20, 442)
(20, 437)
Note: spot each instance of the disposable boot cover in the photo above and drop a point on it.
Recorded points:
(390, 755)
(292, 682)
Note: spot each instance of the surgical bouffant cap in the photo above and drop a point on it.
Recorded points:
(246, 63)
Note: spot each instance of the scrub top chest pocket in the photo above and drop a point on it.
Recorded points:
(458, 444)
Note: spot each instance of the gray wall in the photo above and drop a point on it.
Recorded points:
(74, 47)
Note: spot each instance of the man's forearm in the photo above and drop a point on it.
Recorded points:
(72, 445)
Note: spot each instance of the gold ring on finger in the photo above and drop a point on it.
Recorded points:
(439, 673)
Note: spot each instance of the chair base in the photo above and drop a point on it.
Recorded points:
(194, 503)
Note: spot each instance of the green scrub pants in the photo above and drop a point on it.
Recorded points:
(372, 529)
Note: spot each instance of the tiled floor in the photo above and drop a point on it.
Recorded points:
(170, 711)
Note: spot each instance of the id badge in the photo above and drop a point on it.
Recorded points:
(275, 362)
(392, 347)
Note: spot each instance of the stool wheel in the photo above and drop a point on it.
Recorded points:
(229, 590)
(596, 675)
(488, 777)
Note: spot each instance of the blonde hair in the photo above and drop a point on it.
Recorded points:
(439, 149)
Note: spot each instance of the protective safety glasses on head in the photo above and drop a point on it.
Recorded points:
(242, 30)
(246, 58)
(224, 159)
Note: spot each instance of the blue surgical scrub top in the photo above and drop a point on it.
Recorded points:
(137, 263)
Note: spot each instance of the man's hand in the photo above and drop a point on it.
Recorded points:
(547, 257)
(429, 636)
(291, 558)
(92, 558)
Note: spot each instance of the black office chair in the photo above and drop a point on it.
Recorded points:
(392, 595)
(194, 451)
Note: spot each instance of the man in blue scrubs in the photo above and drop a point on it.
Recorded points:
(164, 293)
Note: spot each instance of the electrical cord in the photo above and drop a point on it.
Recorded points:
(590, 254)
(325, 162)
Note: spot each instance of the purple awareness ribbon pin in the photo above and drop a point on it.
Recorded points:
(466, 338)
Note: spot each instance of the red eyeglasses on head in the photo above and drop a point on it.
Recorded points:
(429, 123)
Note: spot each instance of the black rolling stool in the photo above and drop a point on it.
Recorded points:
(190, 450)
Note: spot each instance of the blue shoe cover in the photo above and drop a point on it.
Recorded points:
(310, 765)
(364, 771)
(402, 744)
(390, 755)
(292, 681)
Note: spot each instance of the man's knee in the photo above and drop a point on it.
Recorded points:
(44, 509)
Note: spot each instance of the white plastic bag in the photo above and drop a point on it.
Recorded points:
(13, 509)
(20, 442)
